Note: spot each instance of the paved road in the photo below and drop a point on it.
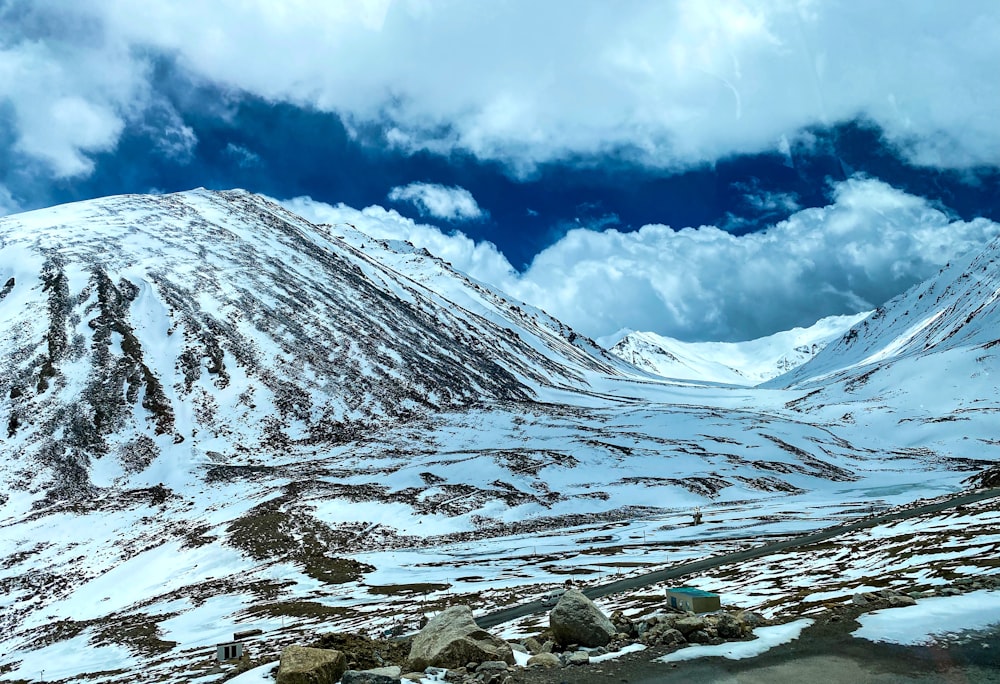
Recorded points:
(682, 569)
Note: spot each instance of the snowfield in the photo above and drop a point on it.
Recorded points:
(219, 416)
(936, 619)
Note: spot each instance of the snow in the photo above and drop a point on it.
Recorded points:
(614, 655)
(932, 619)
(70, 658)
(258, 675)
(767, 638)
(739, 363)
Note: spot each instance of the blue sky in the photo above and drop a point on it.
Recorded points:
(704, 170)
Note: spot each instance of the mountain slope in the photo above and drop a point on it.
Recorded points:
(922, 369)
(738, 363)
(205, 323)
(219, 416)
(958, 309)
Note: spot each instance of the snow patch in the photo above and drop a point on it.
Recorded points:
(767, 638)
(932, 619)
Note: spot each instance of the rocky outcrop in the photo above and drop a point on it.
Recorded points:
(577, 620)
(884, 598)
(303, 665)
(453, 639)
(492, 672)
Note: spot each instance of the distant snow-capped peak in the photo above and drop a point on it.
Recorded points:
(738, 363)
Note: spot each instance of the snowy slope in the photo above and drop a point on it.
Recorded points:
(923, 368)
(738, 363)
(219, 415)
(957, 310)
(203, 324)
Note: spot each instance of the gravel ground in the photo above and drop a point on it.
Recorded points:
(825, 653)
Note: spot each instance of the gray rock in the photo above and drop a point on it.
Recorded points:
(531, 643)
(453, 639)
(699, 636)
(492, 672)
(303, 665)
(545, 660)
(622, 623)
(368, 677)
(901, 600)
(492, 666)
(671, 637)
(728, 627)
(687, 625)
(751, 619)
(576, 619)
(578, 658)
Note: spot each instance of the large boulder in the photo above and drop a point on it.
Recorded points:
(453, 639)
(303, 665)
(576, 620)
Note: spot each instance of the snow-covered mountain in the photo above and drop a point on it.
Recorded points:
(958, 310)
(738, 363)
(206, 324)
(219, 415)
(920, 365)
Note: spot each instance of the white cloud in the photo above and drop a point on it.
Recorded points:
(244, 157)
(670, 83)
(8, 204)
(481, 260)
(69, 91)
(439, 201)
(673, 83)
(871, 243)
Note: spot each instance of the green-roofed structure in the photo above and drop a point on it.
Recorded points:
(695, 600)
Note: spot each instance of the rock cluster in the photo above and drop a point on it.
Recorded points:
(451, 647)
(884, 598)
(891, 598)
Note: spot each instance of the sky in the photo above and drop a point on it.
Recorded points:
(704, 170)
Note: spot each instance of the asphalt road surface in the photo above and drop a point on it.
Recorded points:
(682, 569)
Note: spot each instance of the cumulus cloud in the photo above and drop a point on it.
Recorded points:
(439, 201)
(244, 157)
(664, 84)
(871, 243)
(68, 86)
(8, 204)
(481, 260)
